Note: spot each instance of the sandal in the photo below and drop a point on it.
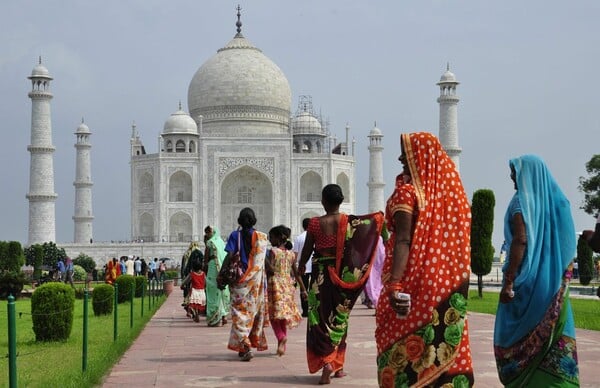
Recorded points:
(326, 375)
(339, 373)
(247, 356)
(281, 347)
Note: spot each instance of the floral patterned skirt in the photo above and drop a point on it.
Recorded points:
(437, 353)
(546, 356)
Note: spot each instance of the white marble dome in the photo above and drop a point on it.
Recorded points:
(82, 128)
(375, 132)
(305, 123)
(448, 76)
(180, 122)
(239, 83)
(40, 71)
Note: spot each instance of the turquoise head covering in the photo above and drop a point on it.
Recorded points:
(551, 244)
(218, 243)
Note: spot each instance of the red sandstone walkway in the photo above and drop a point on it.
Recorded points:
(173, 351)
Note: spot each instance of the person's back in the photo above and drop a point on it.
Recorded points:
(69, 269)
(61, 269)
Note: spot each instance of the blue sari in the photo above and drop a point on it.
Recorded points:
(534, 336)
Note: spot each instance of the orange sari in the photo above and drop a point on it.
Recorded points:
(431, 345)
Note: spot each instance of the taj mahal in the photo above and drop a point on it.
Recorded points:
(240, 144)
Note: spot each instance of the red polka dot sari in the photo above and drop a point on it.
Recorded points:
(429, 347)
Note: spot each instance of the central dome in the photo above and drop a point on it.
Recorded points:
(239, 83)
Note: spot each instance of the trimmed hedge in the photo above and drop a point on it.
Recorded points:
(103, 298)
(126, 283)
(52, 307)
(11, 283)
(140, 285)
(79, 274)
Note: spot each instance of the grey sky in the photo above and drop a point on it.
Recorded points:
(528, 73)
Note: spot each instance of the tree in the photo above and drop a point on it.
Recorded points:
(85, 262)
(11, 256)
(482, 226)
(590, 186)
(52, 254)
(585, 261)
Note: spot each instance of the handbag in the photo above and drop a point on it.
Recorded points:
(231, 271)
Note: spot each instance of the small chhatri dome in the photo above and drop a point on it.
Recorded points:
(448, 76)
(375, 131)
(305, 123)
(180, 122)
(82, 128)
(40, 71)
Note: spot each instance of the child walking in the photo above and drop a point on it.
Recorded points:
(197, 296)
(282, 274)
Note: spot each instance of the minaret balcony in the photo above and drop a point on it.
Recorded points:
(40, 149)
(41, 197)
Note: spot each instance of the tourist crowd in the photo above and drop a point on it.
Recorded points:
(412, 265)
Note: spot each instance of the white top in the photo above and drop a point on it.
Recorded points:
(297, 249)
(129, 266)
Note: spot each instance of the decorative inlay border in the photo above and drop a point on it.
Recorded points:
(265, 165)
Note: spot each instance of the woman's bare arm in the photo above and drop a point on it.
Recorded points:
(403, 225)
(515, 256)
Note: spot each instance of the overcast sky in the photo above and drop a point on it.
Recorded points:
(528, 73)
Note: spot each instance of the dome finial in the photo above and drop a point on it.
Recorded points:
(447, 66)
(40, 60)
(82, 121)
(238, 24)
(179, 104)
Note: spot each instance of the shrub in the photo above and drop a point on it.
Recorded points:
(140, 285)
(171, 274)
(126, 283)
(37, 254)
(586, 263)
(52, 306)
(103, 299)
(11, 283)
(11, 256)
(79, 273)
(86, 262)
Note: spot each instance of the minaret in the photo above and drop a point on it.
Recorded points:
(376, 183)
(83, 186)
(448, 101)
(41, 196)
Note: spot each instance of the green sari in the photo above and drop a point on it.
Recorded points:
(217, 301)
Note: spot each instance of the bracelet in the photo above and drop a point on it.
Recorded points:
(393, 286)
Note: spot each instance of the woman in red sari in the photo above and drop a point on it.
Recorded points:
(344, 249)
(113, 270)
(422, 340)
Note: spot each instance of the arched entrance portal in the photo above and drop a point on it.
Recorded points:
(246, 187)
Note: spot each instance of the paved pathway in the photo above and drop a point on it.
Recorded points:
(173, 351)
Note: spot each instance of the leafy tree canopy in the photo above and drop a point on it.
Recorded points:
(590, 186)
(52, 254)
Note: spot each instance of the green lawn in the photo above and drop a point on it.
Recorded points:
(585, 311)
(59, 364)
